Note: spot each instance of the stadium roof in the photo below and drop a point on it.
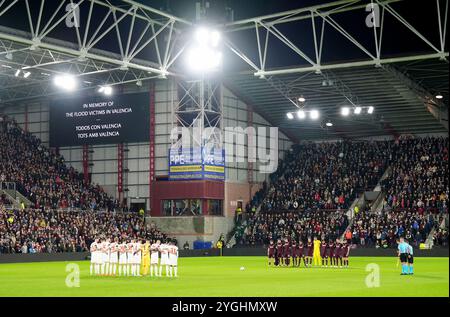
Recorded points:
(327, 52)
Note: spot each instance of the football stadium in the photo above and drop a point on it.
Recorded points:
(224, 149)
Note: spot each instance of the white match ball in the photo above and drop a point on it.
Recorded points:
(242, 268)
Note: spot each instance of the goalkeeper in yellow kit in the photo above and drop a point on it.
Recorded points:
(145, 263)
(317, 260)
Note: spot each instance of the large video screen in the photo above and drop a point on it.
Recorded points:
(100, 120)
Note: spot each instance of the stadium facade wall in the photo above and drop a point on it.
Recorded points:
(366, 252)
(182, 190)
(238, 192)
(190, 229)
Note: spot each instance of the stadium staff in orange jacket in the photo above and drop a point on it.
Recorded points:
(348, 236)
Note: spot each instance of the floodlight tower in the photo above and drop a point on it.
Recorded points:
(197, 107)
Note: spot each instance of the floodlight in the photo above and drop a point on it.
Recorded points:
(329, 124)
(108, 90)
(345, 111)
(17, 73)
(66, 82)
(203, 55)
(439, 96)
(370, 110)
(302, 99)
(301, 114)
(26, 74)
(314, 114)
(202, 36)
(357, 110)
(214, 38)
(202, 59)
(290, 115)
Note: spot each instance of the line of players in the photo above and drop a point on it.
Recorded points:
(133, 258)
(313, 253)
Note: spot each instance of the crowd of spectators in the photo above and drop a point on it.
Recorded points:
(419, 175)
(324, 175)
(382, 230)
(258, 229)
(53, 231)
(328, 176)
(42, 175)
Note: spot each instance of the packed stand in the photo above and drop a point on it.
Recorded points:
(51, 231)
(419, 176)
(324, 176)
(382, 230)
(259, 229)
(42, 175)
(331, 175)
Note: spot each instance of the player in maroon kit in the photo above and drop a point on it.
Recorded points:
(279, 253)
(323, 252)
(271, 253)
(286, 252)
(294, 253)
(345, 252)
(337, 253)
(331, 247)
(309, 252)
(300, 253)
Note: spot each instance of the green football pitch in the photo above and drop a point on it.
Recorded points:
(222, 276)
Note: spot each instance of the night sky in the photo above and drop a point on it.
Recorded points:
(397, 40)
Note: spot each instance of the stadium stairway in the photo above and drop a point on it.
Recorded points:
(429, 240)
(377, 206)
(231, 236)
(383, 177)
(16, 197)
(360, 202)
(231, 241)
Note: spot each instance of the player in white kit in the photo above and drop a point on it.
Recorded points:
(173, 260)
(135, 270)
(123, 259)
(154, 257)
(100, 258)
(94, 257)
(130, 258)
(113, 256)
(164, 249)
(105, 261)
